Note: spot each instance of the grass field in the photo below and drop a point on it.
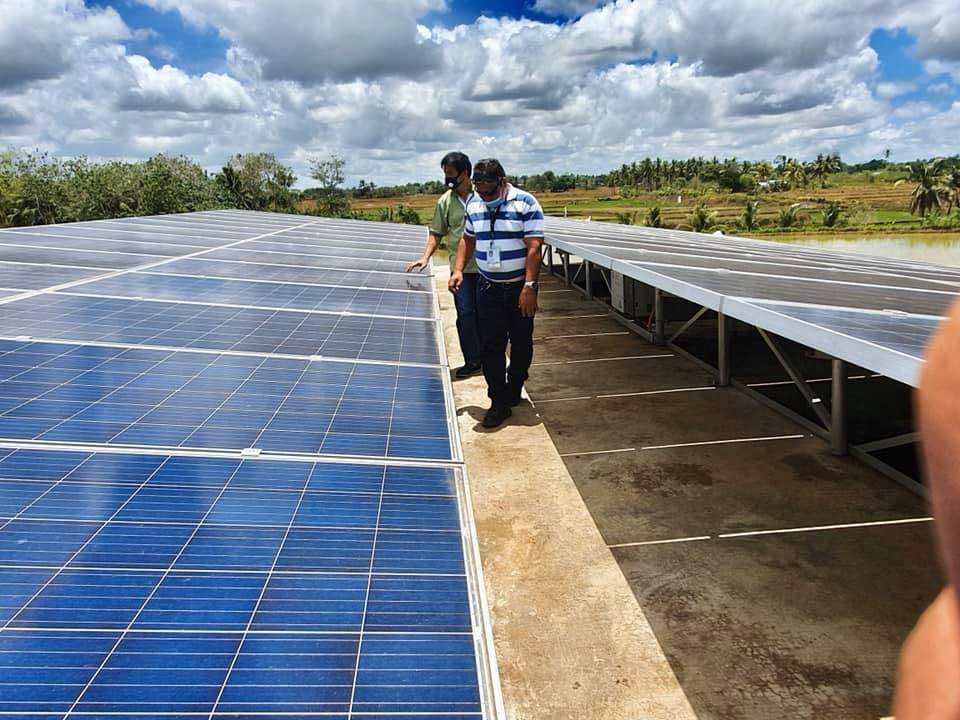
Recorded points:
(872, 207)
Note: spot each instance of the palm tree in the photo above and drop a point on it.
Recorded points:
(653, 217)
(790, 216)
(831, 214)
(701, 219)
(794, 173)
(952, 185)
(748, 218)
(929, 180)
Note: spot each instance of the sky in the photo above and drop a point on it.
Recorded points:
(564, 85)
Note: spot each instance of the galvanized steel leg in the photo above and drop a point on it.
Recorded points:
(565, 258)
(550, 259)
(660, 324)
(723, 350)
(588, 269)
(838, 408)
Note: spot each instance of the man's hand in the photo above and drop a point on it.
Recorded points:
(456, 280)
(927, 687)
(528, 302)
(418, 265)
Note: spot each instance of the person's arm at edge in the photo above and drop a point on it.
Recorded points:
(927, 687)
(464, 253)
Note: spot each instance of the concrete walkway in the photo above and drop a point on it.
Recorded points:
(571, 640)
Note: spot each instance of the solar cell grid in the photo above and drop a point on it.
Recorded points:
(255, 293)
(91, 319)
(351, 278)
(260, 632)
(66, 393)
(197, 586)
(242, 254)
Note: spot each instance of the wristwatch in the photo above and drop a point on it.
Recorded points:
(532, 284)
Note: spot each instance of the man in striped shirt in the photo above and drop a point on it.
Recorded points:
(503, 229)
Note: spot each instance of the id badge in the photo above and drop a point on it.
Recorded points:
(493, 256)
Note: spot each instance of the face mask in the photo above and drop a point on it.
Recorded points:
(452, 183)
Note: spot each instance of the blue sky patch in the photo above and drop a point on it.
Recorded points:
(172, 41)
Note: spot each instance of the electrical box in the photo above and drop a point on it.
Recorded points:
(629, 297)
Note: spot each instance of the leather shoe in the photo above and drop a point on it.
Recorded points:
(465, 371)
(496, 415)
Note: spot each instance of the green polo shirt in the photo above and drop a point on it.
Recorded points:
(447, 224)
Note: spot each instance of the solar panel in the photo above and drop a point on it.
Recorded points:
(876, 313)
(254, 293)
(152, 323)
(200, 267)
(233, 496)
(254, 595)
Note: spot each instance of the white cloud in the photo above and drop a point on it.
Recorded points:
(364, 80)
(41, 39)
(171, 89)
(890, 90)
(311, 42)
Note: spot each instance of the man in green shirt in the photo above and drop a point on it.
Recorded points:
(446, 228)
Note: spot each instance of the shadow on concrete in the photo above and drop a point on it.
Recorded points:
(523, 415)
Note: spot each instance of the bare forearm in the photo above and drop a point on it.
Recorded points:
(433, 242)
(464, 252)
(532, 269)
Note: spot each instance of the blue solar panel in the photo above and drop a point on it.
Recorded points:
(266, 294)
(68, 393)
(67, 317)
(179, 597)
(305, 275)
(135, 583)
(364, 261)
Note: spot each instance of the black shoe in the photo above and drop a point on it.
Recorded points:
(465, 371)
(496, 415)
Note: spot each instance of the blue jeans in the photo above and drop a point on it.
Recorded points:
(465, 300)
(498, 306)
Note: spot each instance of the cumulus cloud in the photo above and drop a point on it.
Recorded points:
(171, 89)
(42, 39)
(621, 81)
(311, 42)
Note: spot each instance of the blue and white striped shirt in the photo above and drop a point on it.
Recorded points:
(519, 218)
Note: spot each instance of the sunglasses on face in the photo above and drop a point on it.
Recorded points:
(485, 181)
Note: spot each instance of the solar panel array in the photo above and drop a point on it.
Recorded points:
(874, 312)
(230, 476)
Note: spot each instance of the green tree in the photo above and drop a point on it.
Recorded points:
(823, 166)
(929, 180)
(832, 214)
(952, 185)
(626, 218)
(653, 218)
(332, 200)
(790, 217)
(257, 181)
(701, 219)
(749, 217)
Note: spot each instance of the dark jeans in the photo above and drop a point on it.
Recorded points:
(465, 300)
(498, 307)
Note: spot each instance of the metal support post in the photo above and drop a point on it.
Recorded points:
(659, 322)
(565, 258)
(588, 269)
(723, 350)
(550, 259)
(794, 372)
(838, 408)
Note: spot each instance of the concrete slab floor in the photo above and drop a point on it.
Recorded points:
(800, 623)
(571, 640)
(803, 620)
